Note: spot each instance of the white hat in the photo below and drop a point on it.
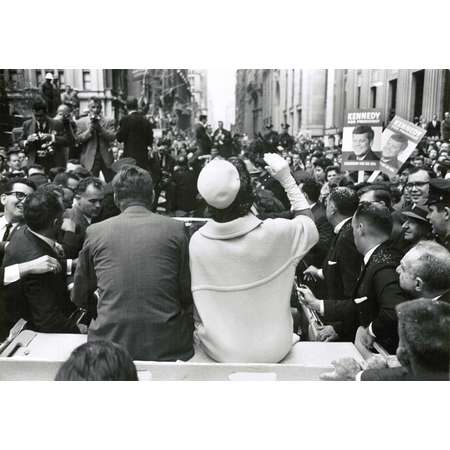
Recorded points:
(49, 76)
(219, 183)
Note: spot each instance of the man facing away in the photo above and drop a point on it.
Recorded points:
(138, 263)
(243, 268)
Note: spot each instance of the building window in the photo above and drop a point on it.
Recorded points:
(392, 97)
(358, 97)
(13, 77)
(373, 97)
(86, 80)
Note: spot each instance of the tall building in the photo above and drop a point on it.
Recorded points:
(314, 101)
(198, 80)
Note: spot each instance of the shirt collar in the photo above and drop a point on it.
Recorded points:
(311, 206)
(369, 254)
(232, 229)
(339, 226)
(47, 240)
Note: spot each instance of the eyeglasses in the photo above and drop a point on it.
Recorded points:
(416, 184)
(19, 195)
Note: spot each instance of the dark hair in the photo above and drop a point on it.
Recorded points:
(133, 184)
(12, 181)
(337, 169)
(345, 200)
(424, 326)
(82, 172)
(244, 199)
(41, 208)
(381, 193)
(312, 189)
(377, 216)
(98, 361)
(39, 104)
(37, 167)
(321, 163)
(364, 129)
(414, 170)
(61, 179)
(132, 103)
(95, 100)
(86, 182)
(54, 171)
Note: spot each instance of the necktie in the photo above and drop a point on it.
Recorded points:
(7, 231)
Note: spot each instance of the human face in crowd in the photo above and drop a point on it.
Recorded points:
(13, 202)
(63, 112)
(72, 183)
(392, 148)
(68, 198)
(361, 144)
(418, 186)
(14, 162)
(444, 147)
(331, 176)
(403, 177)
(412, 232)
(40, 115)
(22, 159)
(95, 108)
(90, 202)
(433, 153)
(438, 219)
(319, 174)
(220, 124)
(407, 278)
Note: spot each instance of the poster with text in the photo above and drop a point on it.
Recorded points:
(398, 141)
(361, 144)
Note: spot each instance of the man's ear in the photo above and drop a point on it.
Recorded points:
(3, 198)
(447, 213)
(419, 284)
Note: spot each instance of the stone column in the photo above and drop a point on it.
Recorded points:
(433, 89)
(313, 101)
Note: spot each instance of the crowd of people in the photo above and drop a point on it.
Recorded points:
(89, 243)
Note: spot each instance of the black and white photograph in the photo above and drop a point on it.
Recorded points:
(243, 210)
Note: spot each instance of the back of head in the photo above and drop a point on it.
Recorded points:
(132, 103)
(41, 209)
(98, 361)
(227, 188)
(424, 330)
(132, 186)
(345, 200)
(432, 265)
(377, 218)
(378, 193)
(312, 189)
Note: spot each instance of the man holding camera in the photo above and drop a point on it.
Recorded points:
(94, 135)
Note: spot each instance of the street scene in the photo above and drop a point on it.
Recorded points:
(280, 224)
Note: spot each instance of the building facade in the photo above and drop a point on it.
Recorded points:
(314, 102)
(198, 80)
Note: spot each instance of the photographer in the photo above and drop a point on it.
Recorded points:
(65, 139)
(94, 135)
(39, 136)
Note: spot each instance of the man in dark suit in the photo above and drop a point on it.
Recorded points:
(42, 136)
(434, 128)
(202, 139)
(94, 134)
(342, 263)
(138, 263)
(315, 257)
(136, 132)
(362, 140)
(43, 299)
(371, 311)
(89, 196)
(221, 136)
(285, 139)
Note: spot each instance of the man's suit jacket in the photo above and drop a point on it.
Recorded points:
(42, 300)
(73, 242)
(371, 156)
(341, 268)
(434, 130)
(138, 261)
(378, 281)
(317, 254)
(61, 141)
(202, 139)
(136, 132)
(445, 130)
(88, 141)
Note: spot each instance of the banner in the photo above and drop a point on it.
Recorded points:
(361, 142)
(398, 141)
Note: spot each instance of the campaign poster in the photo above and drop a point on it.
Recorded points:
(361, 143)
(398, 141)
